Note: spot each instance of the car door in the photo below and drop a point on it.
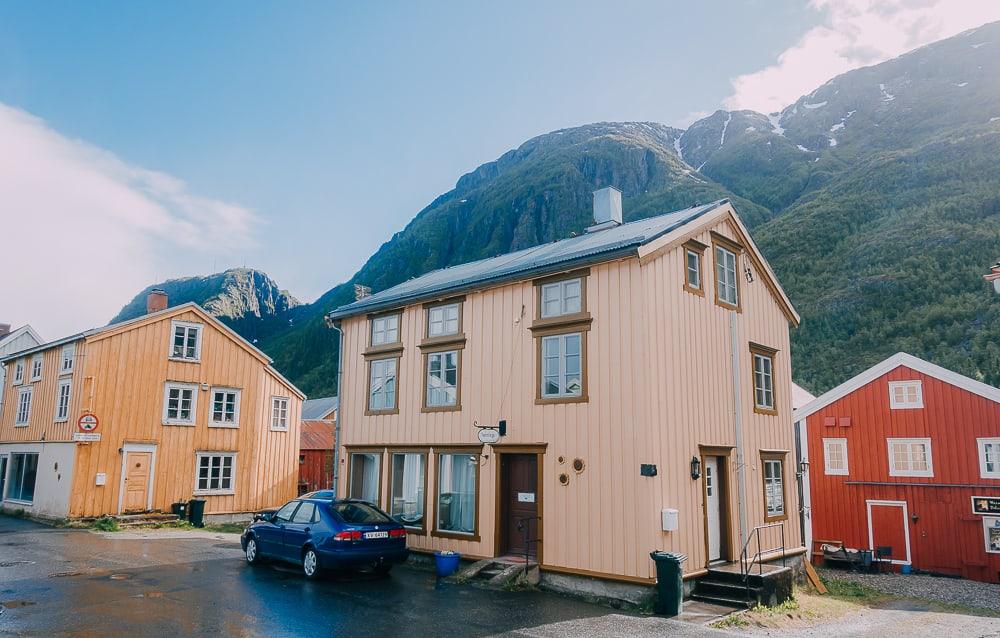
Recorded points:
(297, 530)
(271, 535)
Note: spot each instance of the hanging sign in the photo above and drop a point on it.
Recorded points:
(488, 435)
(88, 423)
(985, 505)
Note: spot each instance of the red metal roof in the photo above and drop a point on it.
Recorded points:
(316, 435)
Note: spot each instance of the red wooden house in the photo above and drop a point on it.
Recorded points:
(316, 456)
(906, 456)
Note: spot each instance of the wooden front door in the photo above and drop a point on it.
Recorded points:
(137, 481)
(888, 527)
(519, 504)
(713, 507)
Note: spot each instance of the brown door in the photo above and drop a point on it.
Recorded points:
(519, 504)
(137, 481)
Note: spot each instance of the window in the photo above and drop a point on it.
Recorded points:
(66, 361)
(36, 367)
(186, 343)
(360, 514)
(910, 457)
(562, 298)
(366, 474)
(835, 457)
(62, 400)
(279, 413)
(385, 330)
(305, 514)
(991, 528)
(23, 406)
(406, 499)
(561, 361)
(180, 401)
(989, 458)
(215, 473)
(382, 385)
(905, 395)
(693, 253)
(727, 287)
(774, 486)
(225, 408)
(456, 496)
(18, 372)
(763, 379)
(285, 513)
(23, 468)
(442, 379)
(443, 320)
(3, 475)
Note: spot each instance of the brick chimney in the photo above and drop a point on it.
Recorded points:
(4, 330)
(156, 301)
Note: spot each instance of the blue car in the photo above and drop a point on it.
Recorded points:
(322, 534)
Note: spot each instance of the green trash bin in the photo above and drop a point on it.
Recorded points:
(669, 583)
(196, 512)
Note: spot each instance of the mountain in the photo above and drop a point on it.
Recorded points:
(876, 198)
(244, 299)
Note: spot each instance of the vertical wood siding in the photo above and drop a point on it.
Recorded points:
(659, 384)
(946, 537)
(42, 425)
(315, 470)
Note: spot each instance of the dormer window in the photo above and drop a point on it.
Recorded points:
(385, 330)
(562, 298)
(185, 344)
(66, 361)
(36, 367)
(694, 252)
(906, 395)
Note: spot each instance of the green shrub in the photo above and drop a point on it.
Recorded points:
(105, 524)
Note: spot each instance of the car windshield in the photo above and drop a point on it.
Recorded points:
(360, 514)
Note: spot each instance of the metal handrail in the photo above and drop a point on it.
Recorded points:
(746, 563)
(525, 530)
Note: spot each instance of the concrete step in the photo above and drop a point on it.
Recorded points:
(725, 588)
(725, 601)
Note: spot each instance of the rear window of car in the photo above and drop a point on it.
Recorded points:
(360, 514)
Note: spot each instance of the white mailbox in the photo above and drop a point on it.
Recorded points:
(671, 519)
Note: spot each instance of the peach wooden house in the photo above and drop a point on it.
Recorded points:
(138, 415)
(642, 372)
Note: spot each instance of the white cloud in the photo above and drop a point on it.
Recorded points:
(854, 33)
(81, 231)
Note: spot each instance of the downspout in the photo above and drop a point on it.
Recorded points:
(340, 403)
(800, 480)
(741, 487)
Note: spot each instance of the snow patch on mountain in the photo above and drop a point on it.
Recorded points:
(981, 44)
(816, 105)
(725, 125)
(961, 84)
(886, 96)
(775, 120)
(803, 148)
(677, 148)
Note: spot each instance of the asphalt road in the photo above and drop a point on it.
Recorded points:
(56, 582)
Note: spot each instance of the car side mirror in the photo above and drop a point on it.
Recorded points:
(262, 516)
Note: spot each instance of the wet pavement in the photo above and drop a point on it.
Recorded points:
(56, 582)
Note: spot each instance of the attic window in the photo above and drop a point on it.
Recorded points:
(905, 395)
(185, 341)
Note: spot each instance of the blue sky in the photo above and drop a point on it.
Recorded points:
(317, 130)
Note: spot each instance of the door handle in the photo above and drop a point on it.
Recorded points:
(306, 530)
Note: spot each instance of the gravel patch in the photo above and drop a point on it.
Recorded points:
(954, 591)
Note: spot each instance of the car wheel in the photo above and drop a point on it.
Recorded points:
(310, 563)
(253, 552)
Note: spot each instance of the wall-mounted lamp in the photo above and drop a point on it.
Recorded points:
(803, 467)
(695, 468)
(748, 274)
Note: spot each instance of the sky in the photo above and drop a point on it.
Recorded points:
(146, 141)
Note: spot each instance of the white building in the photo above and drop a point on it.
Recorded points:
(14, 341)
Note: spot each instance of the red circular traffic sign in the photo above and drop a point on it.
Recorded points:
(88, 423)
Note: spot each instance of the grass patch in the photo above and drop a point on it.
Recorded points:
(855, 592)
(732, 621)
(226, 528)
(105, 524)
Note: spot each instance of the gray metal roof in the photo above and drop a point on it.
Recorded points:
(318, 408)
(555, 256)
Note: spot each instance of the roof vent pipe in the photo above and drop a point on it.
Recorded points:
(607, 209)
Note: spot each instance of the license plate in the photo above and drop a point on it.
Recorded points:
(376, 534)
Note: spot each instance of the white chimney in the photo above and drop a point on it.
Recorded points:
(607, 209)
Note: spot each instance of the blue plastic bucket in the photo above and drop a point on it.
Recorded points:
(446, 564)
(906, 569)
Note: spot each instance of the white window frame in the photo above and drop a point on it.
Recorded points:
(438, 316)
(562, 298)
(562, 375)
(67, 384)
(170, 385)
(199, 328)
(430, 390)
(276, 424)
(212, 423)
(19, 420)
(988, 522)
(384, 326)
(904, 405)
(724, 282)
(219, 490)
(828, 444)
(18, 372)
(688, 270)
(893, 471)
(778, 480)
(983, 471)
(66, 359)
(372, 365)
(37, 365)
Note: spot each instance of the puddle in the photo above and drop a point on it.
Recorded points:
(14, 604)
(64, 574)
(120, 576)
(15, 563)
(149, 594)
